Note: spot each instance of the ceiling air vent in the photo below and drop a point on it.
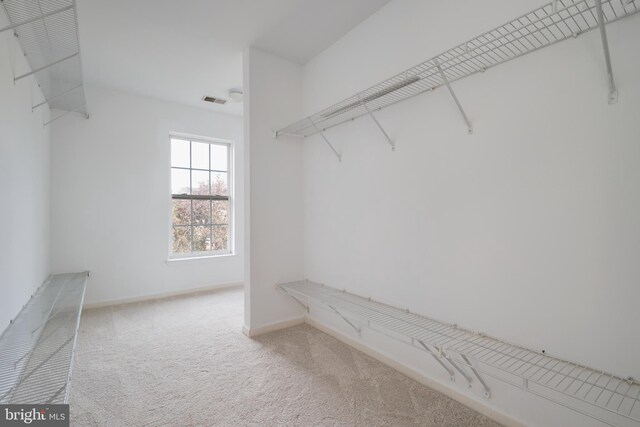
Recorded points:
(214, 100)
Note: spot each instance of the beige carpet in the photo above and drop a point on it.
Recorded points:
(184, 362)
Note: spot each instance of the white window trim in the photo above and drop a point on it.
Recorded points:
(204, 256)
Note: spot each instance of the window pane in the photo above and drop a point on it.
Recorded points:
(219, 157)
(200, 182)
(220, 238)
(179, 181)
(180, 153)
(201, 212)
(181, 240)
(201, 239)
(181, 212)
(219, 184)
(199, 155)
(220, 212)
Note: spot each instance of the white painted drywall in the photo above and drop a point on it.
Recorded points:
(273, 97)
(529, 229)
(110, 205)
(24, 173)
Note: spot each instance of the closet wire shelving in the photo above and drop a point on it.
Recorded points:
(608, 398)
(36, 350)
(47, 32)
(542, 27)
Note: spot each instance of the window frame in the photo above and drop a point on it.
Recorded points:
(230, 251)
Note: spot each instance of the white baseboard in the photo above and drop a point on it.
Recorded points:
(162, 295)
(495, 415)
(271, 327)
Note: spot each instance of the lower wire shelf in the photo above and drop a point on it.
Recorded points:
(605, 397)
(36, 350)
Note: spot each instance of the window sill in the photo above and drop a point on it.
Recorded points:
(203, 258)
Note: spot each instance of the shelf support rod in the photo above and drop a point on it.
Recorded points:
(306, 307)
(65, 113)
(36, 18)
(386, 135)
(345, 319)
(326, 140)
(453, 95)
(55, 97)
(37, 70)
(486, 393)
(459, 369)
(435, 356)
(613, 91)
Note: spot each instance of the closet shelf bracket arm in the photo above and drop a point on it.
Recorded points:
(321, 132)
(78, 108)
(459, 369)
(486, 392)
(613, 91)
(37, 70)
(435, 356)
(453, 95)
(296, 299)
(370, 113)
(345, 319)
(55, 97)
(35, 18)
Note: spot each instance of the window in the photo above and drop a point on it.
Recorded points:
(200, 193)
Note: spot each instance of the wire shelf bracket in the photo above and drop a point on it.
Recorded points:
(610, 399)
(47, 33)
(453, 95)
(46, 101)
(542, 27)
(613, 91)
(386, 135)
(438, 358)
(321, 132)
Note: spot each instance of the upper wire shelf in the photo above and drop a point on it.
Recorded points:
(606, 397)
(36, 350)
(47, 31)
(547, 25)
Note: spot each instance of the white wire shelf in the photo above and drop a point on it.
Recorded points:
(47, 31)
(36, 350)
(592, 392)
(552, 23)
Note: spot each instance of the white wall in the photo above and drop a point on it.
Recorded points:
(24, 173)
(273, 97)
(110, 207)
(527, 230)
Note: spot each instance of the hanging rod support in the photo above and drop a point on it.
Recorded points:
(326, 140)
(36, 18)
(345, 319)
(55, 97)
(453, 95)
(486, 393)
(613, 91)
(67, 112)
(393, 145)
(37, 70)
(438, 359)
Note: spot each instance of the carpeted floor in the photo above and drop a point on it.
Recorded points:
(184, 362)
